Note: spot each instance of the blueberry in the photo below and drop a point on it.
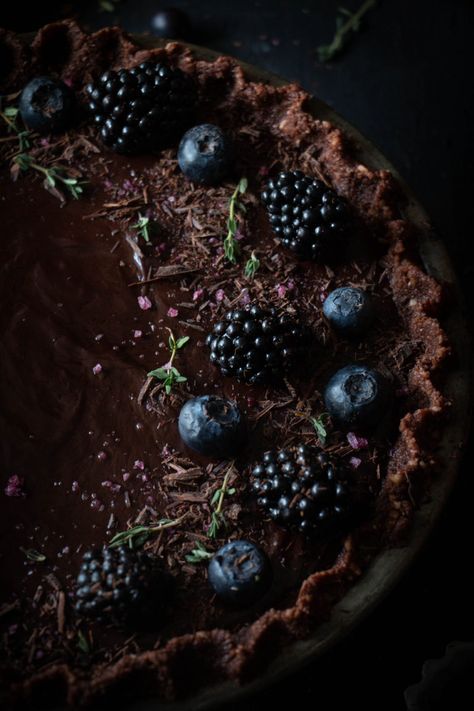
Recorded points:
(212, 426)
(46, 105)
(171, 23)
(205, 154)
(349, 310)
(357, 395)
(240, 573)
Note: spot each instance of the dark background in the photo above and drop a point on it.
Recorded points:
(405, 82)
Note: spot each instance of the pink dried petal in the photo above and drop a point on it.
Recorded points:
(106, 484)
(290, 284)
(144, 303)
(198, 294)
(102, 456)
(68, 81)
(139, 464)
(220, 295)
(97, 369)
(137, 334)
(355, 462)
(281, 290)
(172, 312)
(75, 486)
(356, 442)
(239, 234)
(244, 297)
(126, 476)
(14, 486)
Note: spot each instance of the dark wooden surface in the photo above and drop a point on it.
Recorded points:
(405, 82)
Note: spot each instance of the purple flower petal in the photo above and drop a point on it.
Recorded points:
(97, 369)
(14, 486)
(172, 312)
(356, 442)
(355, 462)
(144, 303)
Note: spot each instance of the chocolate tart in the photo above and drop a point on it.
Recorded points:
(90, 443)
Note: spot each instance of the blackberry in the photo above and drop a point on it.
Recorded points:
(302, 488)
(115, 583)
(255, 344)
(142, 108)
(308, 217)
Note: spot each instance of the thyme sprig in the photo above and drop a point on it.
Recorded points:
(22, 160)
(53, 175)
(217, 502)
(252, 266)
(143, 226)
(138, 535)
(168, 373)
(344, 29)
(231, 245)
(199, 554)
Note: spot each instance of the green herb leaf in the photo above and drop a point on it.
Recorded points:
(181, 342)
(243, 185)
(344, 30)
(199, 554)
(33, 555)
(319, 426)
(11, 112)
(83, 643)
(252, 266)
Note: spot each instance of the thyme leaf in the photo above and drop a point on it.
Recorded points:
(143, 226)
(319, 425)
(33, 555)
(83, 643)
(199, 554)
